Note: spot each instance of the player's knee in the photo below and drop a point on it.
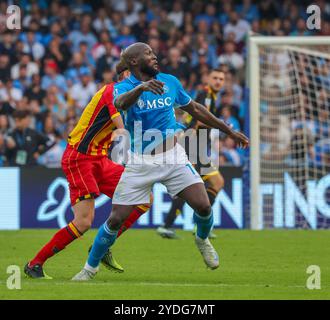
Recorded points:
(204, 208)
(83, 224)
(115, 222)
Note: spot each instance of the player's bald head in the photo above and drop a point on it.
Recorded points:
(140, 59)
(134, 51)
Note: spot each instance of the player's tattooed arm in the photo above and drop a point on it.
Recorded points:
(126, 100)
(199, 112)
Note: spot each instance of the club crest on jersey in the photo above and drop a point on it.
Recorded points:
(140, 103)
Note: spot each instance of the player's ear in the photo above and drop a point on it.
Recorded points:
(133, 62)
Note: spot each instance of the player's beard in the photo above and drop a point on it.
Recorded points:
(150, 71)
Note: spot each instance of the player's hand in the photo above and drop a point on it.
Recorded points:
(10, 142)
(241, 140)
(36, 155)
(153, 85)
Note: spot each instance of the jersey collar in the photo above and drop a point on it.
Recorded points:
(134, 80)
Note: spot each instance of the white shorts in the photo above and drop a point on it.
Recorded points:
(171, 168)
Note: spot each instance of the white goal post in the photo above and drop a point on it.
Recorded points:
(289, 82)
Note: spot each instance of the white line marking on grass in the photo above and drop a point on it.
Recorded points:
(158, 284)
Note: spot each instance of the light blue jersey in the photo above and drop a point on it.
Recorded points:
(152, 114)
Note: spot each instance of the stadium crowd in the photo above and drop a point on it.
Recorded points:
(67, 50)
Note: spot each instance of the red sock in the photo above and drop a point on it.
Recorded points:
(135, 215)
(59, 241)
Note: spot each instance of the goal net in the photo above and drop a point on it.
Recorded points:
(290, 132)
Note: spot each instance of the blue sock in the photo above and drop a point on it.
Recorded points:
(204, 225)
(104, 239)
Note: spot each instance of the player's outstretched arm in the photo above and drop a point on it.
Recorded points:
(199, 112)
(127, 99)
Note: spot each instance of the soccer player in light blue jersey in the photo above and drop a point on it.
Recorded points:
(148, 99)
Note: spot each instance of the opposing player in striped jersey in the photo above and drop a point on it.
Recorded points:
(89, 173)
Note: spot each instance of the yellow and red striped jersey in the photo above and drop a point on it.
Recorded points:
(92, 134)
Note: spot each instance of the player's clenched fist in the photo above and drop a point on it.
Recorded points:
(241, 140)
(153, 85)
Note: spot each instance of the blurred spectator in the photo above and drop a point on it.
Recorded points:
(33, 47)
(83, 34)
(83, 91)
(175, 66)
(319, 154)
(177, 14)
(209, 16)
(208, 50)
(300, 29)
(59, 52)
(248, 11)
(87, 58)
(125, 37)
(52, 158)
(55, 31)
(25, 145)
(35, 92)
(108, 76)
(131, 14)
(202, 67)
(140, 28)
(23, 81)
(54, 105)
(230, 57)
(123, 5)
(7, 46)
(226, 115)
(165, 25)
(25, 61)
(4, 67)
(2, 150)
(52, 77)
(230, 152)
(104, 23)
(9, 96)
(277, 79)
(225, 12)
(107, 60)
(237, 26)
(4, 124)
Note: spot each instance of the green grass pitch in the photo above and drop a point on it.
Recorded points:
(253, 265)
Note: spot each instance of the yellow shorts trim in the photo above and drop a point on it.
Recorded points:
(207, 176)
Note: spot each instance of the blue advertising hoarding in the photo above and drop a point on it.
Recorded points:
(39, 198)
(44, 202)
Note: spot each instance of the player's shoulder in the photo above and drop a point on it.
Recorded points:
(202, 92)
(126, 83)
(108, 87)
(166, 76)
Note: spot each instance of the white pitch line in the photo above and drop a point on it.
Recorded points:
(158, 284)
